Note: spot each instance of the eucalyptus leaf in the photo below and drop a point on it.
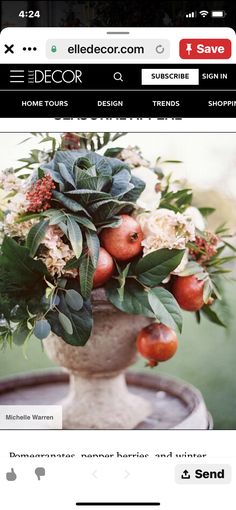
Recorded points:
(66, 323)
(73, 299)
(52, 300)
(42, 329)
(81, 322)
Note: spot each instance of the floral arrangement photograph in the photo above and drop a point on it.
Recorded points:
(85, 260)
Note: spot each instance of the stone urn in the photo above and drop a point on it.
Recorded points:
(98, 397)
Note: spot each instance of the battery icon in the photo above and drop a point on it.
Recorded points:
(218, 14)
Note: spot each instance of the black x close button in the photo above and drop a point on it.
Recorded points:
(9, 48)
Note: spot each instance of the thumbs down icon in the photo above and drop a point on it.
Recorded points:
(39, 471)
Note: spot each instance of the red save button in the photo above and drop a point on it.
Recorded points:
(205, 48)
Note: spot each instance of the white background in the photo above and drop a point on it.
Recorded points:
(208, 159)
(114, 480)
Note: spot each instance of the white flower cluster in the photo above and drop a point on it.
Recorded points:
(164, 228)
(9, 182)
(57, 253)
(150, 196)
(132, 157)
(13, 203)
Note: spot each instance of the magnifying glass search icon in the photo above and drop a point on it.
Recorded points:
(118, 76)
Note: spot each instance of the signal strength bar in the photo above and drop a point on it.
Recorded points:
(192, 14)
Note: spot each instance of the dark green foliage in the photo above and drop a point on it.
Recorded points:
(93, 185)
(20, 274)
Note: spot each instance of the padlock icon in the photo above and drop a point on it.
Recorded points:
(53, 49)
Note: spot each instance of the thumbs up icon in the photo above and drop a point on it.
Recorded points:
(11, 475)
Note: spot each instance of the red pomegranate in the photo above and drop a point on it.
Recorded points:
(104, 270)
(123, 242)
(188, 292)
(157, 342)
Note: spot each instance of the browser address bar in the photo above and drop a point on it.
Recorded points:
(113, 49)
(97, 45)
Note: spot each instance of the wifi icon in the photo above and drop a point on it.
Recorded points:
(203, 13)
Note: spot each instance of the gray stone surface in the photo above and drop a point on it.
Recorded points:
(98, 396)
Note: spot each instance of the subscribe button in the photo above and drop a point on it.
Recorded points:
(205, 49)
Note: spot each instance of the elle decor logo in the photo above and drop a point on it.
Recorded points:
(47, 76)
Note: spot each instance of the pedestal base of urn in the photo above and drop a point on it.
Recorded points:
(102, 403)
